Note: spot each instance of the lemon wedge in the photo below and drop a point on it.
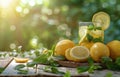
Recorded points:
(80, 53)
(83, 33)
(101, 19)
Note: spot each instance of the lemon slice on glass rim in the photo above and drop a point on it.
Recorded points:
(83, 33)
(101, 19)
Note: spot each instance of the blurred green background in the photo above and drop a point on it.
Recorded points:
(34, 24)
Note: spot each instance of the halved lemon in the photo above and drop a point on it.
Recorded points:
(83, 33)
(80, 53)
(68, 57)
(21, 60)
(101, 19)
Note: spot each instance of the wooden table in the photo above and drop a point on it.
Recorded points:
(10, 71)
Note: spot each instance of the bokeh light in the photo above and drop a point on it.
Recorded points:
(38, 23)
(5, 3)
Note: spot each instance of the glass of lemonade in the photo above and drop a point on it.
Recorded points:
(90, 32)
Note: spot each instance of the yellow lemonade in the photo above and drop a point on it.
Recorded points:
(90, 33)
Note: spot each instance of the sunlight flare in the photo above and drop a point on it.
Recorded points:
(5, 3)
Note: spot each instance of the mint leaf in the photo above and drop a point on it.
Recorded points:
(1, 69)
(58, 57)
(90, 61)
(22, 72)
(67, 74)
(43, 59)
(20, 66)
(108, 74)
(90, 27)
(97, 39)
(82, 69)
(90, 68)
(31, 64)
(93, 67)
(52, 69)
(109, 64)
(117, 61)
(89, 37)
(98, 28)
(56, 71)
(106, 60)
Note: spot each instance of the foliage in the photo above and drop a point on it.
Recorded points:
(110, 64)
(90, 68)
(1, 70)
(43, 58)
(43, 22)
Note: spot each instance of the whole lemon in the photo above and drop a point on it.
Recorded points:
(114, 47)
(62, 46)
(87, 44)
(99, 50)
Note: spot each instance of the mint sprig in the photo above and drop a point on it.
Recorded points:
(92, 27)
(90, 68)
(52, 69)
(110, 64)
(91, 38)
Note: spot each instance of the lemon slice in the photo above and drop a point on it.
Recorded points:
(80, 52)
(83, 33)
(21, 60)
(101, 19)
(68, 57)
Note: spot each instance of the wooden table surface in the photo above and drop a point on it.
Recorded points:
(4, 62)
(9, 71)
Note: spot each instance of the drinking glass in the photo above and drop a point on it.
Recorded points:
(91, 32)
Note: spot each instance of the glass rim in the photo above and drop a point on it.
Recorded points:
(82, 23)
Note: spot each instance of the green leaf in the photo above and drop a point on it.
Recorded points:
(108, 74)
(99, 28)
(90, 27)
(22, 72)
(37, 52)
(47, 69)
(53, 63)
(90, 61)
(43, 58)
(93, 67)
(90, 68)
(31, 64)
(20, 66)
(97, 39)
(58, 57)
(67, 74)
(56, 71)
(117, 61)
(106, 60)
(109, 63)
(89, 37)
(53, 47)
(52, 69)
(82, 69)
(1, 69)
